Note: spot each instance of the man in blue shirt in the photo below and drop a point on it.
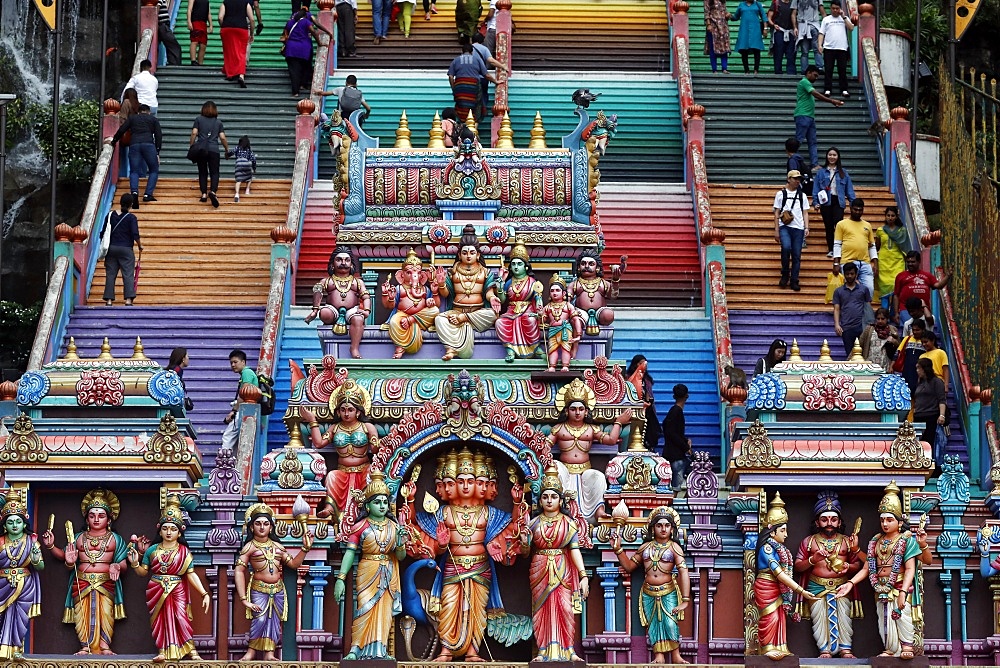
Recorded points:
(849, 303)
(464, 75)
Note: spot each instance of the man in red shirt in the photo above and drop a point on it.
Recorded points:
(914, 283)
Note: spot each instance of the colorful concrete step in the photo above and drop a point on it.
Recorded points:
(317, 241)
(678, 345)
(298, 343)
(648, 146)
(209, 334)
(665, 269)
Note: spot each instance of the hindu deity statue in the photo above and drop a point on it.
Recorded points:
(97, 557)
(893, 558)
(573, 436)
(469, 538)
(773, 587)
(170, 567)
(557, 576)
(264, 594)
(347, 300)
(603, 130)
(376, 543)
(354, 440)
(413, 304)
(826, 560)
(517, 327)
(473, 291)
(590, 293)
(666, 587)
(20, 590)
(557, 321)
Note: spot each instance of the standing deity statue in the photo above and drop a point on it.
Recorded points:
(557, 576)
(377, 544)
(20, 589)
(573, 436)
(170, 567)
(264, 594)
(517, 327)
(348, 301)
(557, 321)
(664, 597)
(475, 304)
(589, 292)
(773, 587)
(826, 560)
(413, 305)
(470, 539)
(354, 440)
(97, 556)
(891, 567)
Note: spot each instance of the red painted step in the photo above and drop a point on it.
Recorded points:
(317, 241)
(653, 224)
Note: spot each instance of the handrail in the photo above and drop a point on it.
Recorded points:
(47, 321)
(142, 52)
(908, 178)
(504, 30)
(875, 74)
(956, 342)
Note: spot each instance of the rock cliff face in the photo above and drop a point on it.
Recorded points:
(26, 69)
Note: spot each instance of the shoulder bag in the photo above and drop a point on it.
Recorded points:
(105, 237)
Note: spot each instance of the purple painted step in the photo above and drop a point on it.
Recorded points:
(209, 333)
(752, 332)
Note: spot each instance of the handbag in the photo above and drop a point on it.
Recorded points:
(900, 361)
(284, 36)
(198, 151)
(105, 238)
(822, 198)
(833, 281)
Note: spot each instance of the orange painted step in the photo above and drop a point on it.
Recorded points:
(194, 254)
(753, 257)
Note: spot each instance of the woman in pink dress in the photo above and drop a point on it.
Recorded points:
(518, 326)
(558, 579)
(170, 566)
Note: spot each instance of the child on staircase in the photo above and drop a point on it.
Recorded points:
(245, 167)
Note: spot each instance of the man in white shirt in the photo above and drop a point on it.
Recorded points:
(833, 45)
(145, 85)
(491, 27)
(791, 227)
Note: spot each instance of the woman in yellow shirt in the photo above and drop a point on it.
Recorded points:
(938, 357)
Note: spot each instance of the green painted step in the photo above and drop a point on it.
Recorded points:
(263, 110)
(265, 51)
(747, 121)
(648, 146)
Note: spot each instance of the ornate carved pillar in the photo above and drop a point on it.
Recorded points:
(747, 506)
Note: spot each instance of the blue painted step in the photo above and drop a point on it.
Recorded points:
(298, 343)
(209, 334)
(678, 344)
(753, 331)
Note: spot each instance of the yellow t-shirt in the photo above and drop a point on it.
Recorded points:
(856, 236)
(939, 359)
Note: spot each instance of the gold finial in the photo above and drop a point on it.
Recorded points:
(71, 350)
(856, 355)
(795, 356)
(436, 135)
(470, 122)
(294, 432)
(824, 352)
(537, 133)
(635, 440)
(505, 135)
(403, 132)
(137, 349)
(105, 350)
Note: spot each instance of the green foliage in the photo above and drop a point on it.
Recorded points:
(902, 15)
(17, 331)
(79, 126)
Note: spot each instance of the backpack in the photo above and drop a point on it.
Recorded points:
(350, 100)
(784, 200)
(799, 163)
(266, 385)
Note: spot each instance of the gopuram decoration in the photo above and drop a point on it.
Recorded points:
(462, 473)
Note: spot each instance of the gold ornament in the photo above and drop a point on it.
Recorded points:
(551, 480)
(776, 513)
(101, 498)
(576, 390)
(557, 279)
(258, 509)
(353, 394)
(450, 470)
(14, 507)
(466, 463)
(890, 502)
(412, 260)
(172, 512)
(666, 512)
(376, 486)
(520, 252)
(479, 462)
